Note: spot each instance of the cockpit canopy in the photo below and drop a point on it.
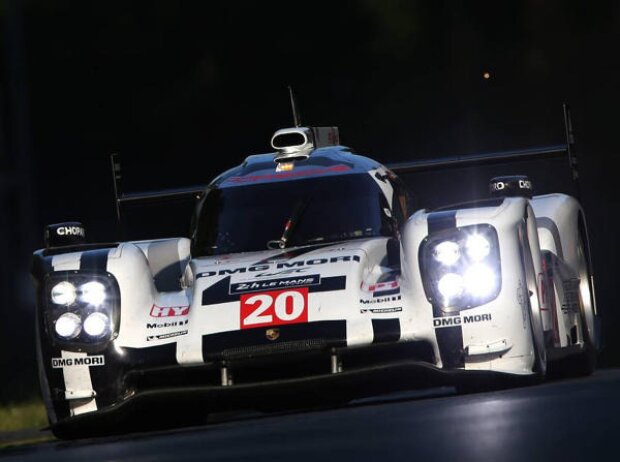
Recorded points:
(314, 204)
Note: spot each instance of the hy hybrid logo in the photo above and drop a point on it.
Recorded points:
(169, 311)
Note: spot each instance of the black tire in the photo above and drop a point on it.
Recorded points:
(584, 363)
(535, 319)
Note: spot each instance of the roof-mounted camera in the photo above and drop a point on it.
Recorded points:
(298, 143)
(511, 186)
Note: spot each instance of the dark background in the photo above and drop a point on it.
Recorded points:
(186, 89)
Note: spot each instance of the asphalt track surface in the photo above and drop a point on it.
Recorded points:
(575, 419)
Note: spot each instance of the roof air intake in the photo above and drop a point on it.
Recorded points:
(298, 143)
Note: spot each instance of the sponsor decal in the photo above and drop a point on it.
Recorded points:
(285, 166)
(382, 288)
(395, 309)
(260, 286)
(393, 298)
(501, 185)
(570, 303)
(97, 360)
(274, 308)
(286, 175)
(163, 325)
(169, 311)
(70, 231)
(451, 321)
(165, 336)
(287, 267)
(281, 272)
(219, 292)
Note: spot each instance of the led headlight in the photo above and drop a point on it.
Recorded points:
(96, 324)
(480, 280)
(447, 253)
(68, 325)
(82, 309)
(477, 247)
(63, 293)
(461, 266)
(451, 286)
(92, 293)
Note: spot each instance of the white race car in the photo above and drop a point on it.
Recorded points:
(307, 279)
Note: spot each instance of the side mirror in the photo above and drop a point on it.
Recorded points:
(63, 234)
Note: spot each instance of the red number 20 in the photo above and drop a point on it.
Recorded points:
(274, 308)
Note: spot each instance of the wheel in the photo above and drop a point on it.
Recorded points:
(533, 302)
(585, 362)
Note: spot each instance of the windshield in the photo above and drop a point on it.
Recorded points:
(247, 218)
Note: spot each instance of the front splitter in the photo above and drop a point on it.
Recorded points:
(297, 393)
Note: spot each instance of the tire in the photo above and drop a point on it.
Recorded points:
(536, 327)
(584, 363)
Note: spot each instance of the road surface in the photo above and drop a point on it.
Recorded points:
(576, 419)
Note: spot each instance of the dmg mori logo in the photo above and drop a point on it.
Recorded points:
(451, 321)
(97, 360)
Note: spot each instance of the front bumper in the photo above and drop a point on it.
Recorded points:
(185, 389)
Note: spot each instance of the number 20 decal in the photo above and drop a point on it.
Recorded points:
(274, 308)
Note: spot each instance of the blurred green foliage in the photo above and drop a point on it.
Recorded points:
(21, 415)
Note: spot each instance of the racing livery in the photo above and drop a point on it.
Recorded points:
(307, 267)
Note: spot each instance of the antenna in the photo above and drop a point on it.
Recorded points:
(570, 148)
(116, 178)
(296, 116)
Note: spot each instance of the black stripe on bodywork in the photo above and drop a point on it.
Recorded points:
(293, 253)
(386, 293)
(323, 333)
(449, 339)
(154, 356)
(219, 292)
(40, 265)
(440, 221)
(386, 330)
(109, 380)
(329, 284)
(95, 260)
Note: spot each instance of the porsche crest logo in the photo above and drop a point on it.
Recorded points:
(272, 334)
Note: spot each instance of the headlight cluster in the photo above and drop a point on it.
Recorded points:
(461, 267)
(82, 309)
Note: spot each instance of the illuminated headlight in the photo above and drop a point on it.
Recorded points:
(461, 267)
(96, 324)
(68, 325)
(451, 286)
(63, 293)
(447, 253)
(92, 293)
(480, 280)
(82, 310)
(477, 247)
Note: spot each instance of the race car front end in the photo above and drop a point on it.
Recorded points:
(471, 276)
(304, 280)
(262, 330)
